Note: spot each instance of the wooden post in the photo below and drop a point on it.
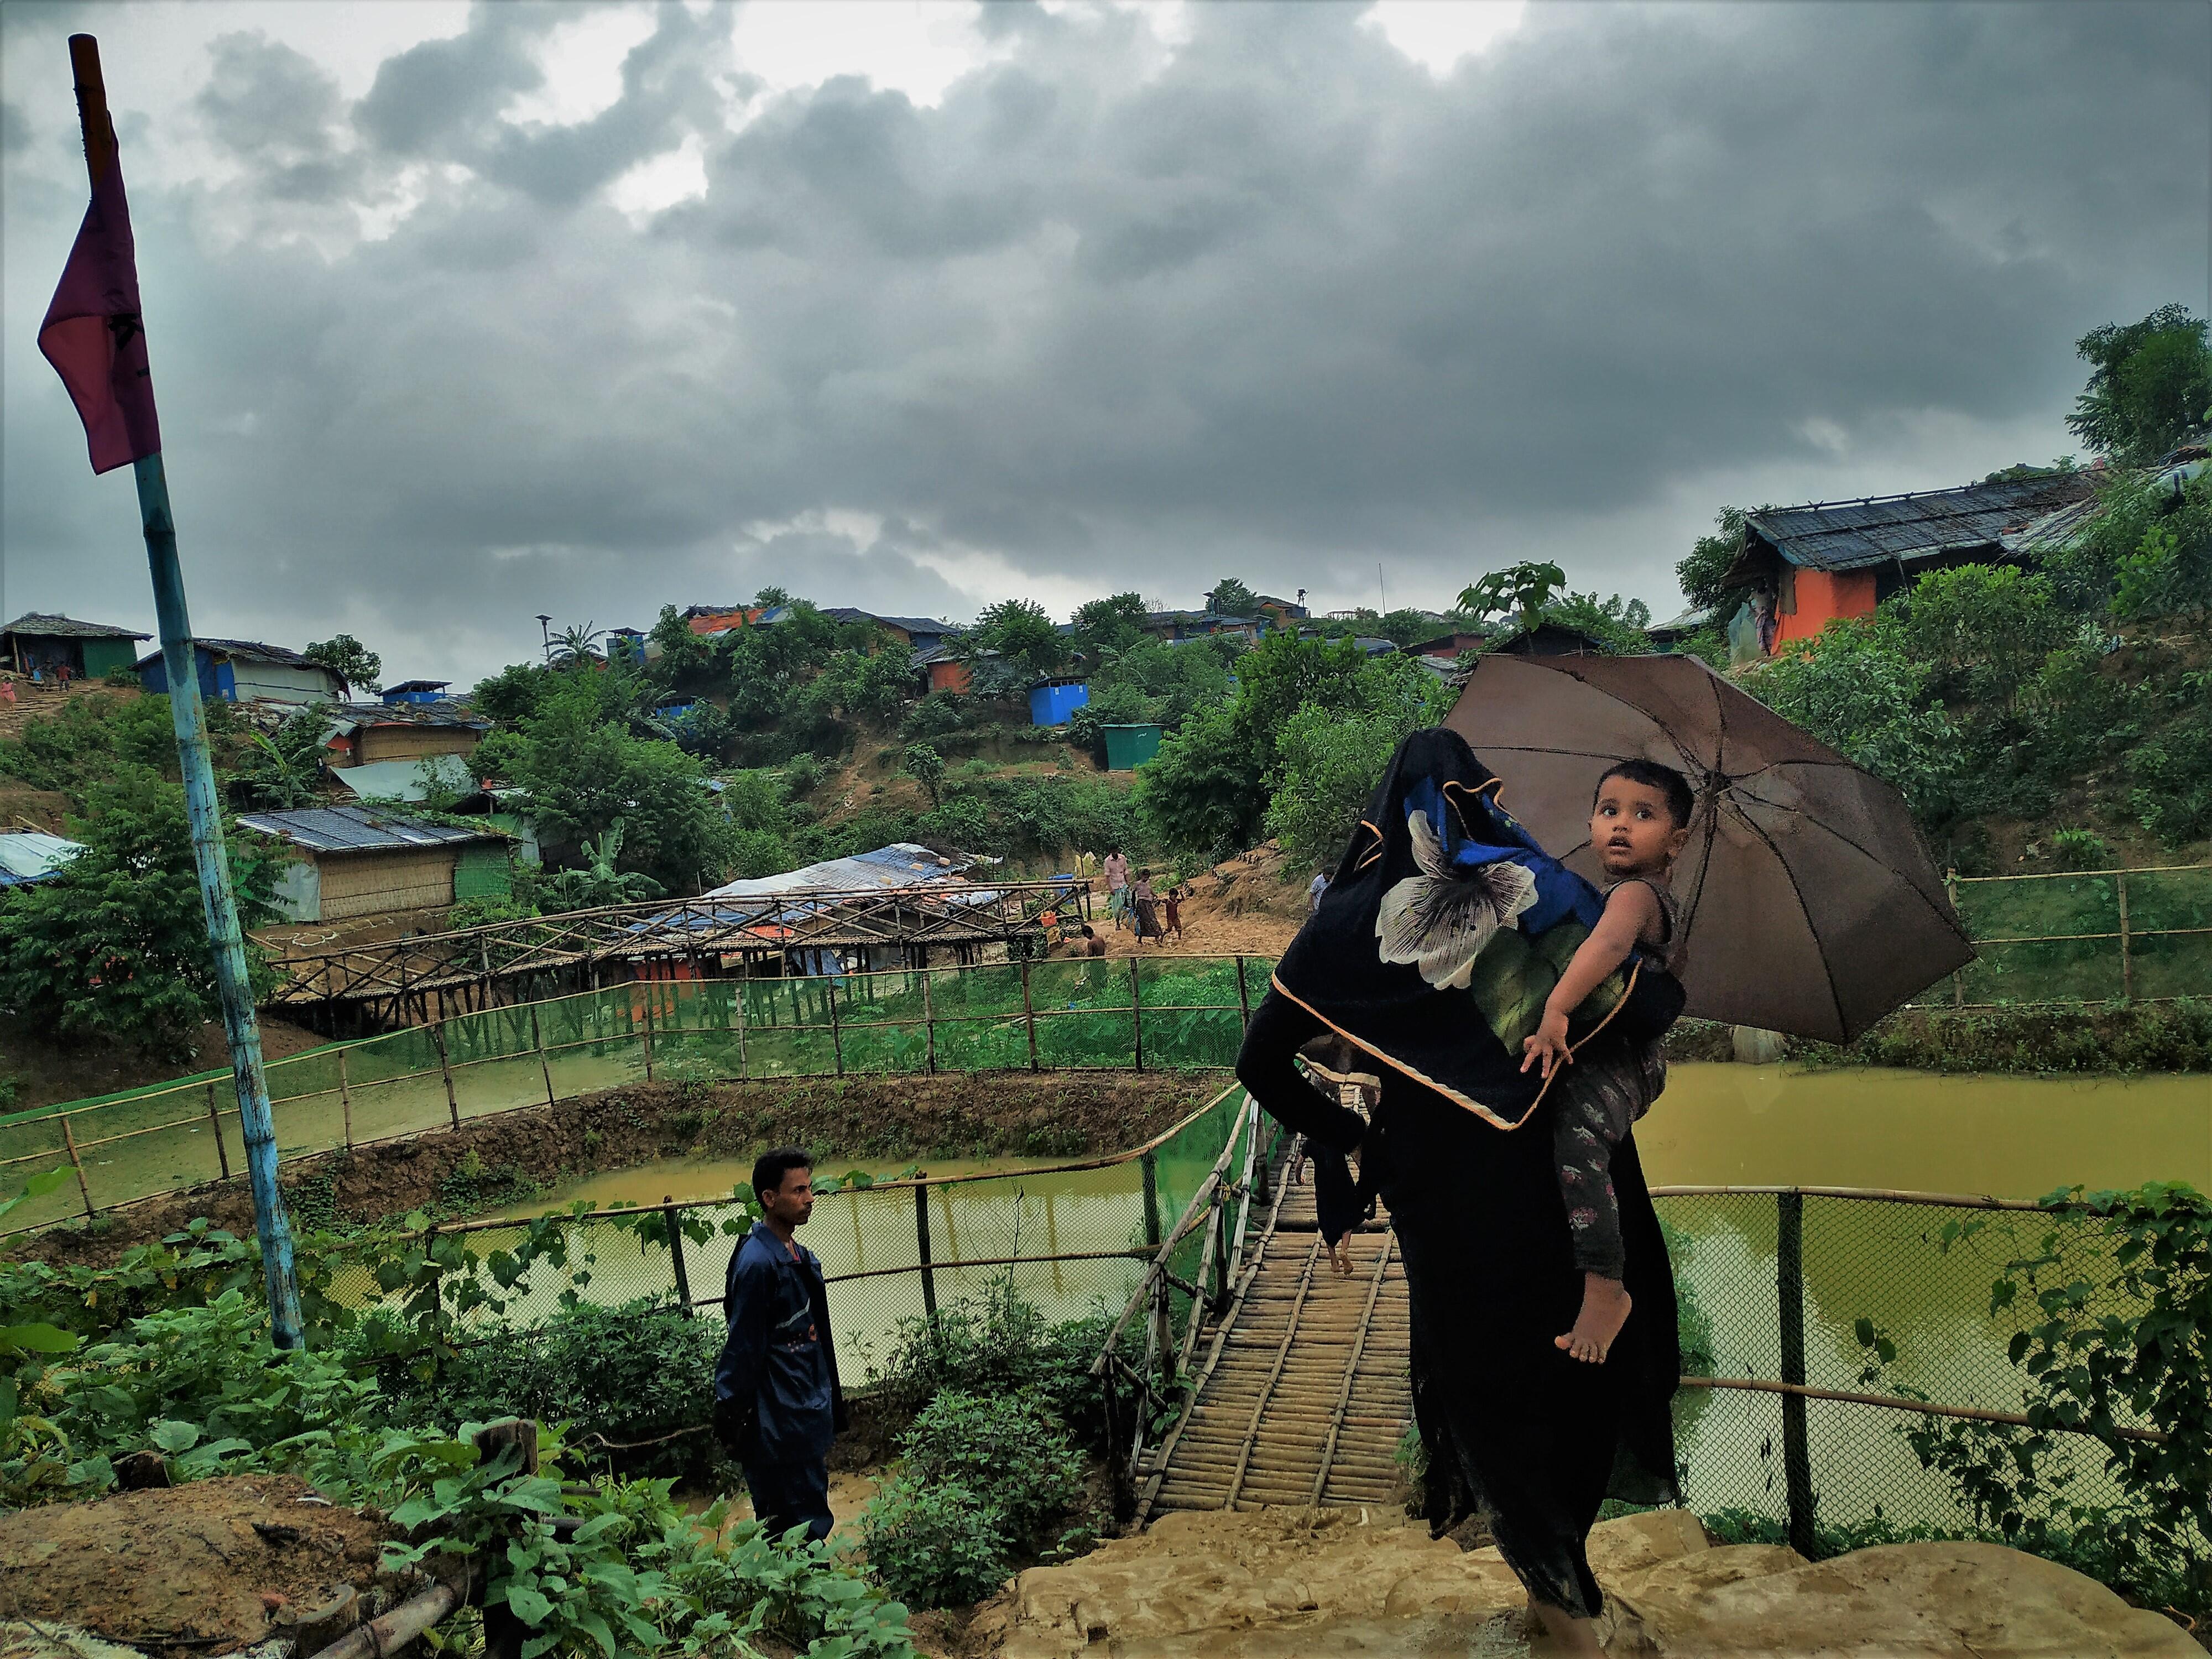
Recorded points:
(1958, 974)
(2127, 966)
(345, 1099)
(215, 1122)
(504, 1632)
(836, 1032)
(676, 1251)
(1243, 995)
(538, 1041)
(1136, 1018)
(745, 979)
(922, 1250)
(1789, 1284)
(648, 1029)
(1150, 1162)
(928, 1025)
(1029, 1010)
(68, 1138)
(446, 1070)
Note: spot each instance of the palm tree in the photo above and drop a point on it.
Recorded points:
(573, 647)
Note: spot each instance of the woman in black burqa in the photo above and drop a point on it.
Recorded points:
(1460, 1148)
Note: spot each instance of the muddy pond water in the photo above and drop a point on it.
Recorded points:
(1720, 1125)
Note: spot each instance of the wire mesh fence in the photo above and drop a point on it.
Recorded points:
(1070, 1240)
(1159, 1013)
(1775, 1283)
(2091, 936)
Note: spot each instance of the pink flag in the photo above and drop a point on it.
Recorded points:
(92, 335)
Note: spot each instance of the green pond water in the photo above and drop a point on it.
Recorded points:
(1716, 1124)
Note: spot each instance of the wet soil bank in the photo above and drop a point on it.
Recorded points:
(499, 1160)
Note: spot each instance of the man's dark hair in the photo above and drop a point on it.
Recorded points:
(1681, 801)
(770, 1168)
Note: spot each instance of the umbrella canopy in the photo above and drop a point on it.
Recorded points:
(1810, 905)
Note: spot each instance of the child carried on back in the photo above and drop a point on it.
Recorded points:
(1639, 823)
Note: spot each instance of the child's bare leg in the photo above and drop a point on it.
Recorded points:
(1605, 1309)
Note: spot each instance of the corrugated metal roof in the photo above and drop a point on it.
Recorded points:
(355, 829)
(902, 864)
(67, 627)
(1849, 535)
(403, 780)
(350, 717)
(251, 651)
(29, 855)
(911, 624)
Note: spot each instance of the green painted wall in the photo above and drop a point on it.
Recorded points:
(483, 872)
(100, 655)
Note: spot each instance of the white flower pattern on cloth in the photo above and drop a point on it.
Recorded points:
(1441, 920)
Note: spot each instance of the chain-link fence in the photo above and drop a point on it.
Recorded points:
(1142, 1013)
(1071, 1240)
(2092, 936)
(1775, 1281)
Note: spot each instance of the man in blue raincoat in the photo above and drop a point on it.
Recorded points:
(777, 1404)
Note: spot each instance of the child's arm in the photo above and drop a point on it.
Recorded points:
(1629, 914)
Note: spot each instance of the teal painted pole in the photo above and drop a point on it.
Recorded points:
(205, 809)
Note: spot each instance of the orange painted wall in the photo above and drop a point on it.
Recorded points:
(949, 676)
(1823, 596)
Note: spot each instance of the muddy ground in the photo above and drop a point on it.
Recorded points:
(1044, 1115)
(208, 1566)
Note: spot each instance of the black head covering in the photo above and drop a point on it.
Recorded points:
(1443, 930)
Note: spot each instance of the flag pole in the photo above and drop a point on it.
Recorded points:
(203, 806)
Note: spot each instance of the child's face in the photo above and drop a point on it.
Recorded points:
(1631, 829)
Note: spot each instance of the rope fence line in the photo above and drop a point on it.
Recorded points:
(2141, 935)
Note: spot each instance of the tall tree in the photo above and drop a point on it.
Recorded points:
(348, 658)
(1022, 632)
(2150, 384)
(1230, 597)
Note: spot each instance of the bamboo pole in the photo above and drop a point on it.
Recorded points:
(1958, 974)
(929, 1024)
(648, 1029)
(676, 1250)
(215, 1122)
(345, 1099)
(538, 1041)
(1797, 1448)
(1029, 1013)
(1136, 1016)
(68, 1138)
(836, 1031)
(446, 1070)
(203, 803)
(1892, 1402)
(2127, 964)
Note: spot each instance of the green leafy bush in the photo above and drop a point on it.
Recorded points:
(2171, 769)
(934, 1545)
(1003, 1346)
(1006, 1451)
(616, 1376)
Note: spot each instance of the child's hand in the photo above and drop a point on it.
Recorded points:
(1549, 1045)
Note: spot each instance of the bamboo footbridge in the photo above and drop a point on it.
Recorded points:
(1303, 1391)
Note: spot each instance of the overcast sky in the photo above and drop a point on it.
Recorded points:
(461, 314)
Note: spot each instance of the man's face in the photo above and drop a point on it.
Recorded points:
(1632, 828)
(793, 1201)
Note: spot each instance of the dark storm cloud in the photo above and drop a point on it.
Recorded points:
(1284, 302)
(276, 110)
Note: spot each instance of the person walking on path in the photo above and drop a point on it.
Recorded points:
(777, 1402)
(1115, 869)
(1147, 904)
(1513, 1426)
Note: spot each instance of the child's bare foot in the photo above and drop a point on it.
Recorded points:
(1556, 1631)
(1605, 1310)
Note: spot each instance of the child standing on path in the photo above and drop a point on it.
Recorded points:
(1639, 823)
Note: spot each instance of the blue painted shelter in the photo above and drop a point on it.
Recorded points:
(1051, 702)
(415, 691)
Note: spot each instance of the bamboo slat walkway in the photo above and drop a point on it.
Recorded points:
(1304, 1391)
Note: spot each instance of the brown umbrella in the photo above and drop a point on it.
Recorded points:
(1809, 904)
